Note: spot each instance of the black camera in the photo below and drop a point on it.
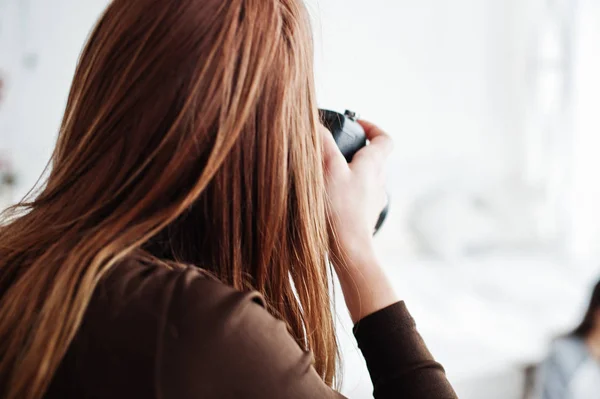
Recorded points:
(350, 137)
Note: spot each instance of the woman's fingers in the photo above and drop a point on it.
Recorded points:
(376, 153)
(379, 140)
(356, 193)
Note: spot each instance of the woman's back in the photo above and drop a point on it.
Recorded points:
(151, 332)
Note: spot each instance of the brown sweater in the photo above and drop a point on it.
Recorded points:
(150, 332)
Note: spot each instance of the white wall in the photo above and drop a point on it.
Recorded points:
(29, 120)
(403, 59)
(438, 75)
(585, 197)
(449, 81)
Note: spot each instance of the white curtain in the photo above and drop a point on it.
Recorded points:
(585, 195)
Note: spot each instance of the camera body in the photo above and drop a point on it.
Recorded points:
(350, 137)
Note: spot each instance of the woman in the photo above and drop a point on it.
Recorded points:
(572, 369)
(179, 247)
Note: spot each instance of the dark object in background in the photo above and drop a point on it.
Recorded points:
(1, 89)
(350, 137)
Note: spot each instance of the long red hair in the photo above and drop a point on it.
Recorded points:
(190, 137)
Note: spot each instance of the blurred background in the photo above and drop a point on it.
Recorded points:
(493, 238)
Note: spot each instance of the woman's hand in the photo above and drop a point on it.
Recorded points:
(357, 195)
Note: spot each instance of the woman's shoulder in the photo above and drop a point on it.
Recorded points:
(567, 353)
(142, 298)
(141, 286)
(567, 346)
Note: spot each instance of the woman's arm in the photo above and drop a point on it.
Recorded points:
(399, 362)
(356, 193)
(220, 343)
(556, 372)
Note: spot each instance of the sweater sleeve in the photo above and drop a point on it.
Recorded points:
(222, 343)
(397, 358)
